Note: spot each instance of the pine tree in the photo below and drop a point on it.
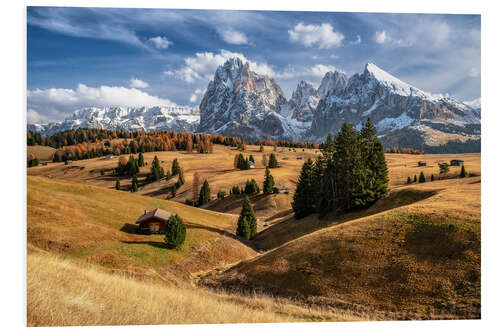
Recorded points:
(247, 222)
(176, 168)
(463, 174)
(141, 160)
(273, 162)
(305, 198)
(432, 177)
(117, 184)
(221, 194)
(204, 196)
(421, 178)
(374, 163)
(444, 168)
(408, 181)
(175, 232)
(134, 187)
(268, 185)
(251, 187)
(415, 178)
(264, 160)
(251, 159)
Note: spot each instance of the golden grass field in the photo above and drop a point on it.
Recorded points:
(394, 260)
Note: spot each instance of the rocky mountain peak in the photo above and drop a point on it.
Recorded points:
(332, 81)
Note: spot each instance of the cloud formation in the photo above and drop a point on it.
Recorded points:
(320, 36)
(56, 103)
(231, 36)
(202, 66)
(160, 42)
(137, 83)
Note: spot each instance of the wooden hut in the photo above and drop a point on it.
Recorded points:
(153, 222)
(422, 163)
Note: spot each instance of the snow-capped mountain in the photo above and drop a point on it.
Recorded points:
(158, 118)
(240, 102)
(396, 108)
(475, 104)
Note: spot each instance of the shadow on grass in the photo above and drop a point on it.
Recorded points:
(160, 245)
(130, 229)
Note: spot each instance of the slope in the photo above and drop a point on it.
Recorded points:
(97, 225)
(419, 261)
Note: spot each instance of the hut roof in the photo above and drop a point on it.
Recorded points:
(157, 213)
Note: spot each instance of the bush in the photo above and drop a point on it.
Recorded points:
(175, 232)
(221, 194)
(421, 178)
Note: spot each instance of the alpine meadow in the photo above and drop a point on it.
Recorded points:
(220, 166)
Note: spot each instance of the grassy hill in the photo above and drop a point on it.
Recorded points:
(418, 261)
(43, 153)
(97, 225)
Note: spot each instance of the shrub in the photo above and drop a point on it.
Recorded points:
(408, 181)
(463, 174)
(175, 232)
(221, 194)
(421, 178)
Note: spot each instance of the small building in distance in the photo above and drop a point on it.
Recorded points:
(252, 164)
(109, 156)
(284, 158)
(153, 222)
(44, 163)
(281, 189)
(456, 162)
(68, 162)
(422, 163)
(299, 157)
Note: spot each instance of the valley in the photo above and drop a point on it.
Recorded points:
(414, 254)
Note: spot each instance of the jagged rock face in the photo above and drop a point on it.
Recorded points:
(158, 118)
(241, 102)
(332, 83)
(304, 102)
(390, 103)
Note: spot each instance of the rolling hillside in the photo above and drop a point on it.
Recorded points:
(418, 261)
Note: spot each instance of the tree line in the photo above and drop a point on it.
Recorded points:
(350, 173)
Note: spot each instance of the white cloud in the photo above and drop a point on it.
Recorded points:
(160, 42)
(231, 36)
(320, 70)
(57, 103)
(137, 83)
(202, 66)
(320, 36)
(381, 37)
(34, 117)
(196, 95)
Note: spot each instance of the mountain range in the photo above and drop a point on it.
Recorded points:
(240, 102)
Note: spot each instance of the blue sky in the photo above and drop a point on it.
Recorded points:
(109, 56)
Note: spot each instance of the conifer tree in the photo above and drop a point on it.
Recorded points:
(444, 168)
(175, 232)
(204, 196)
(268, 185)
(247, 222)
(251, 159)
(421, 178)
(432, 177)
(463, 174)
(305, 198)
(408, 181)
(273, 162)
(117, 184)
(141, 160)
(176, 168)
(134, 187)
(415, 178)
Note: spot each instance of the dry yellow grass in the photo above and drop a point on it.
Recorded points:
(218, 169)
(43, 153)
(97, 225)
(64, 292)
(419, 261)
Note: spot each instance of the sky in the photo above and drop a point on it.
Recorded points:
(78, 57)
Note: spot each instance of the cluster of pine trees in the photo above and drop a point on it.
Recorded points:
(350, 173)
(243, 163)
(273, 162)
(251, 187)
(399, 150)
